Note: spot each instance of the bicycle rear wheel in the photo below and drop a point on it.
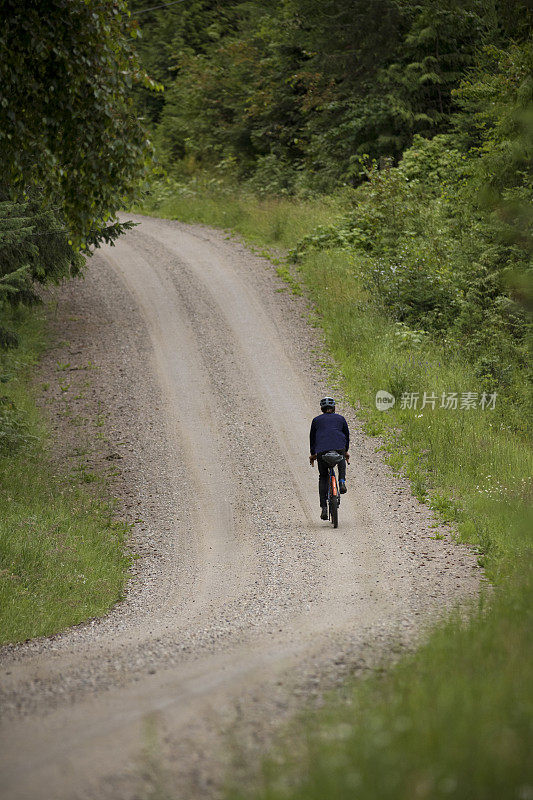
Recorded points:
(333, 500)
(334, 511)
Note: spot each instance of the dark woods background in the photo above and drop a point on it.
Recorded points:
(310, 86)
(419, 114)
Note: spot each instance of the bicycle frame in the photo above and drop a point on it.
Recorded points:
(333, 488)
(333, 496)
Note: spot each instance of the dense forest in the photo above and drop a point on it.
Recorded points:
(296, 92)
(420, 112)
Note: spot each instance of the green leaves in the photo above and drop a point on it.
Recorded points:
(295, 91)
(67, 124)
(442, 243)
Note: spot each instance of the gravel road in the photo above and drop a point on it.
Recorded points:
(243, 604)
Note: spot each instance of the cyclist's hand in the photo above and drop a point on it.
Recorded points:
(312, 460)
(347, 457)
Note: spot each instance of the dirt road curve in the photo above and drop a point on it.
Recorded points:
(243, 600)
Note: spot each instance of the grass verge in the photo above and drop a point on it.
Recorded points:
(266, 221)
(62, 557)
(454, 719)
(451, 721)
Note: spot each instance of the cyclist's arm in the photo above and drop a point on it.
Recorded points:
(312, 443)
(346, 432)
(312, 438)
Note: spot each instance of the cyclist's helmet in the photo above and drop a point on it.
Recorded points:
(327, 402)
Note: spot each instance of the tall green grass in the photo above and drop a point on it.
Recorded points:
(454, 720)
(268, 221)
(451, 721)
(62, 557)
(469, 465)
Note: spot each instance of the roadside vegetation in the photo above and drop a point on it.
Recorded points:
(72, 151)
(63, 556)
(392, 163)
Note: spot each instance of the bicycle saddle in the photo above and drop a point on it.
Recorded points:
(332, 457)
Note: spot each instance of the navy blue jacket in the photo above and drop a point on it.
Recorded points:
(329, 432)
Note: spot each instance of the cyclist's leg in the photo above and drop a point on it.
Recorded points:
(322, 481)
(342, 473)
(342, 468)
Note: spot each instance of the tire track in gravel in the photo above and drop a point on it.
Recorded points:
(268, 382)
(248, 586)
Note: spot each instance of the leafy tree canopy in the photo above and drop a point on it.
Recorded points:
(69, 132)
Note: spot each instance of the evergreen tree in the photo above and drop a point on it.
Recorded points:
(297, 91)
(34, 249)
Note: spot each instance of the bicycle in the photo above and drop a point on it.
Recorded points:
(332, 458)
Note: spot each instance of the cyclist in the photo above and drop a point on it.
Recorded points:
(329, 431)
